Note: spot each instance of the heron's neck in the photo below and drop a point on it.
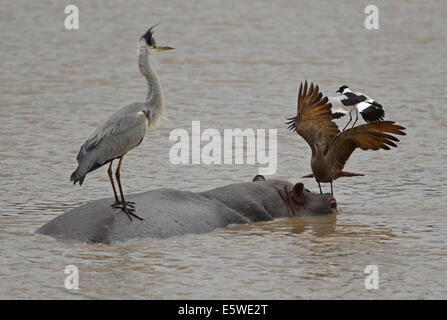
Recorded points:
(154, 98)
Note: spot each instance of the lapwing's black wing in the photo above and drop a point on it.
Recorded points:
(352, 99)
(371, 111)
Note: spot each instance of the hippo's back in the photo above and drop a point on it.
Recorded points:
(166, 213)
(169, 212)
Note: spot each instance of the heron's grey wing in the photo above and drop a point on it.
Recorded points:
(116, 138)
(100, 133)
(126, 132)
(115, 123)
(123, 136)
(89, 144)
(93, 140)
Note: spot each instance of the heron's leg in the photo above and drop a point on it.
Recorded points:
(319, 186)
(356, 117)
(350, 119)
(124, 207)
(117, 202)
(332, 191)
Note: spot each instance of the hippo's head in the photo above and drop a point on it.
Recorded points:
(306, 203)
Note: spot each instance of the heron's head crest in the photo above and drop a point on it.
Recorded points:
(150, 41)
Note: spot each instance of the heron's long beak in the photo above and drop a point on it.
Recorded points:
(156, 49)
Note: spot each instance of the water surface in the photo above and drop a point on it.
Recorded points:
(236, 65)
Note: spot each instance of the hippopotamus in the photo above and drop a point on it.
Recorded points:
(170, 212)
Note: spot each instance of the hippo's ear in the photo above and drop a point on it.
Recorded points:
(259, 177)
(298, 190)
(297, 195)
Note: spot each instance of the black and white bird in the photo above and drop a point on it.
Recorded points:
(349, 101)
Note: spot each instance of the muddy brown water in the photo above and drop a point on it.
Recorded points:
(236, 65)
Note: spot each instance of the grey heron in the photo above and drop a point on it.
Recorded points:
(125, 129)
(349, 101)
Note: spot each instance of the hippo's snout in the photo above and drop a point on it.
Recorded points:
(332, 203)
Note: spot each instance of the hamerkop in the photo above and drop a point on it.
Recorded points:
(330, 147)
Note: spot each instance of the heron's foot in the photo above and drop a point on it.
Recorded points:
(129, 211)
(118, 204)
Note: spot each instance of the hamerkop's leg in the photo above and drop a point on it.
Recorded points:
(124, 207)
(319, 186)
(332, 191)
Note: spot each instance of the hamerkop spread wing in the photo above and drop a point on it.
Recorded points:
(372, 136)
(330, 147)
(314, 117)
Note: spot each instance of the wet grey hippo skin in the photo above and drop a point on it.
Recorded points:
(169, 212)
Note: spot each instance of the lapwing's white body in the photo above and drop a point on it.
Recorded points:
(349, 101)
